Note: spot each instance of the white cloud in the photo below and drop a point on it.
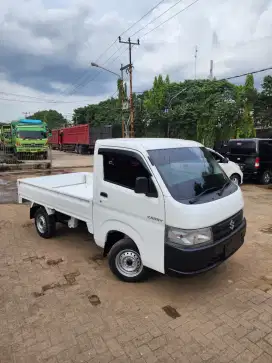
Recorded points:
(47, 45)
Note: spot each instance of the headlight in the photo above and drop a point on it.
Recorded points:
(189, 237)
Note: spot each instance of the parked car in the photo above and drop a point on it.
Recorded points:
(161, 204)
(232, 169)
(254, 157)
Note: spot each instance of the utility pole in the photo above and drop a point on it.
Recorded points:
(130, 43)
(122, 100)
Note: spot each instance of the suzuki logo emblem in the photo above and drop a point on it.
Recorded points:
(232, 224)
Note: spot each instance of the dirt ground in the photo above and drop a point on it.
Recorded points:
(61, 159)
(59, 302)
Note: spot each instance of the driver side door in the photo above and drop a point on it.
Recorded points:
(117, 206)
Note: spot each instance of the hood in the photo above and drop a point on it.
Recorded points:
(202, 215)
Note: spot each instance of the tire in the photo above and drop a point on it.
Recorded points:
(122, 256)
(80, 149)
(236, 179)
(45, 156)
(266, 177)
(76, 149)
(45, 224)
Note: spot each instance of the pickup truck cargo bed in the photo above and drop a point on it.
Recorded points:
(70, 194)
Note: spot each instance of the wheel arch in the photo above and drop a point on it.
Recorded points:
(35, 206)
(238, 176)
(113, 231)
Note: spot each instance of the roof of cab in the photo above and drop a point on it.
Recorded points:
(147, 144)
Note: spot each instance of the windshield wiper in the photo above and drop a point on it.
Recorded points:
(192, 201)
(224, 187)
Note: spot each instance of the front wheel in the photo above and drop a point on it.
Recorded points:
(125, 261)
(45, 224)
(235, 178)
(266, 177)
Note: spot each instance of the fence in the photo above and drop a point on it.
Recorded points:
(31, 156)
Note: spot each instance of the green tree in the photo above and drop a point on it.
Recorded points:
(247, 97)
(53, 118)
(263, 105)
(104, 113)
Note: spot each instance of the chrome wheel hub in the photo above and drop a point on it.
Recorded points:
(267, 177)
(235, 180)
(129, 263)
(41, 224)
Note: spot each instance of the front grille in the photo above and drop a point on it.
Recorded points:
(225, 228)
(33, 145)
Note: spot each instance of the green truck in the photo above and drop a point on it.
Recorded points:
(30, 138)
(6, 139)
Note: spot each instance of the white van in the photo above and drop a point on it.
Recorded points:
(161, 204)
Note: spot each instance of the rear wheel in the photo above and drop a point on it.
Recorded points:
(235, 178)
(80, 149)
(125, 261)
(266, 177)
(45, 224)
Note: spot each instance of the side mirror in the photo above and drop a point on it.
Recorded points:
(141, 185)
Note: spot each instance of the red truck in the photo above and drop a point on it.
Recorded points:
(82, 138)
(54, 139)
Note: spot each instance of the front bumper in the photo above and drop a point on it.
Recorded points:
(31, 150)
(187, 262)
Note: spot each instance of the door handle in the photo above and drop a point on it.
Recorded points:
(104, 195)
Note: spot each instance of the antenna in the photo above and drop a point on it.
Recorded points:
(211, 69)
(196, 51)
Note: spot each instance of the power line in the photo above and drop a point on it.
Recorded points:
(35, 98)
(138, 21)
(171, 17)
(152, 21)
(247, 74)
(179, 12)
(50, 102)
(87, 80)
(76, 85)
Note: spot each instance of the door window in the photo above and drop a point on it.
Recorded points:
(217, 157)
(123, 169)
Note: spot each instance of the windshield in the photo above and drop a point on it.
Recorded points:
(34, 135)
(189, 171)
(7, 135)
(239, 147)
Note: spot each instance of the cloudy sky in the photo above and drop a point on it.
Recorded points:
(46, 47)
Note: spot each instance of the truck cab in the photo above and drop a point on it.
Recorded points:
(160, 204)
(30, 137)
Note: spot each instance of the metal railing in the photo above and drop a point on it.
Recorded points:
(31, 157)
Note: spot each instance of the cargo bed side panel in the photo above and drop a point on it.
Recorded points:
(72, 206)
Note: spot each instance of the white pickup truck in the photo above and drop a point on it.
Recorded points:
(161, 204)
